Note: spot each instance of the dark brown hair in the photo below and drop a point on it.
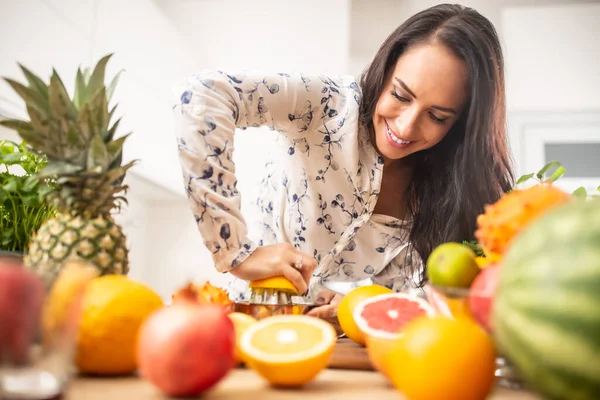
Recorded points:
(471, 166)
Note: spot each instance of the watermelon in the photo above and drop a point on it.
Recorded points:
(546, 313)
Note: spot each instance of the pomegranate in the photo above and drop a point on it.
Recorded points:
(185, 349)
(481, 295)
(21, 299)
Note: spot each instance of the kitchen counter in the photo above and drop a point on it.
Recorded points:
(246, 384)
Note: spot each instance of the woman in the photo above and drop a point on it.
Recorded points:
(375, 174)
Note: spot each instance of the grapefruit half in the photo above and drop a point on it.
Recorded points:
(383, 316)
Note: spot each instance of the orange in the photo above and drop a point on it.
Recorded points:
(377, 350)
(62, 306)
(112, 311)
(288, 350)
(442, 358)
(276, 282)
(452, 264)
(241, 322)
(349, 303)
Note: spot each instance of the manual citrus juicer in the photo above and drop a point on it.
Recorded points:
(273, 296)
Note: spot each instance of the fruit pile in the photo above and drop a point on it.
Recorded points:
(535, 291)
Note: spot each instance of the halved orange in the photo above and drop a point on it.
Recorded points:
(275, 282)
(241, 322)
(288, 350)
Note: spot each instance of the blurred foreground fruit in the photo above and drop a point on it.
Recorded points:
(481, 295)
(512, 213)
(203, 294)
(288, 350)
(61, 311)
(546, 314)
(21, 299)
(349, 303)
(185, 349)
(113, 309)
(452, 264)
(241, 322)
(441, 358)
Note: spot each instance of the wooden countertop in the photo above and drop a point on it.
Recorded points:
(245, 384)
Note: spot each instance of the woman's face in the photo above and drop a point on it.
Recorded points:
(422, 98)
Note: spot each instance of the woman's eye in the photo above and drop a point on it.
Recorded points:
(436, 119)
(400, 98)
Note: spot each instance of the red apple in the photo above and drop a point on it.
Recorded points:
(185, 349)
(21, 298)
(481, 295)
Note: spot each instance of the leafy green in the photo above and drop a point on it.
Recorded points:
(474, 245)
(22, 210)
(540, 176)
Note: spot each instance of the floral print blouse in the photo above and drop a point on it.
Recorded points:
(319, 197)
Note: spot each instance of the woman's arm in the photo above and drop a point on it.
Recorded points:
(210, 106)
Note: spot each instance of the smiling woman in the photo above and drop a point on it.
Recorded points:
(377, 171)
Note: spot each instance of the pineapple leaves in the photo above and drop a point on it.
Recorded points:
(100, 115)
(30, 96)
(97, 79)
(113, 129)
(79, 95)
(60, 104)
(98, 158)
(35, 83)
(113, 85)
(115, 147)
(59, 168)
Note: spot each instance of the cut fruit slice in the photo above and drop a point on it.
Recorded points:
(288, 350)
(385, 315)
(276, 282)
(241, 322)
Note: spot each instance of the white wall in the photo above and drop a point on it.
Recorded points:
(67, 33)
(552, 57)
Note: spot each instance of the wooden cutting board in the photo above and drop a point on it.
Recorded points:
(349, 355)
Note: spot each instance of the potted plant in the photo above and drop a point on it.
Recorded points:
(22, 211)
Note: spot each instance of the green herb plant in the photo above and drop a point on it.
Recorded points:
(22, 210)
(540, 176)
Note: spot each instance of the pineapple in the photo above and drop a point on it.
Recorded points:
(84, 164)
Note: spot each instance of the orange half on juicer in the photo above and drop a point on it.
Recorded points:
(272, 296)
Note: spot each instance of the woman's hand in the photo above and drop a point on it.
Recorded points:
(329, 302)
(278, 260)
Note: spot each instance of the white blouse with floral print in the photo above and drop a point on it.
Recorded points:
(321, 199)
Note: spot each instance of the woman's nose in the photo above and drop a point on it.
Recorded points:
(406, 123)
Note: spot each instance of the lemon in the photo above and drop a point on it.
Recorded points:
(452, 264)
(113, 309)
